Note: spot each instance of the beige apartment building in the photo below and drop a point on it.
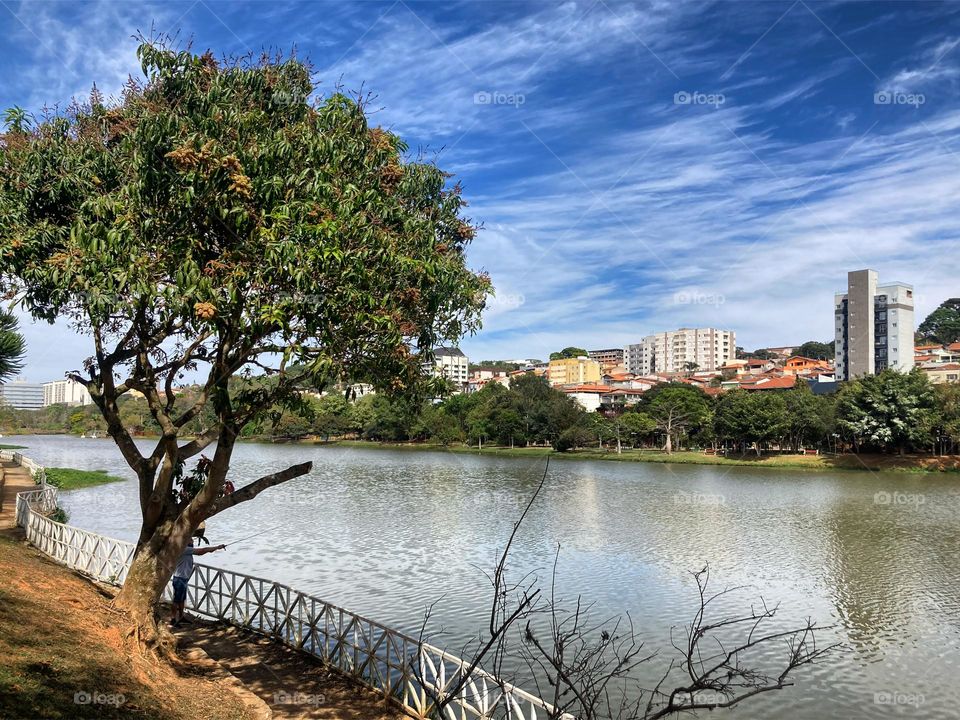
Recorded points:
(672, 352)
(573, 371)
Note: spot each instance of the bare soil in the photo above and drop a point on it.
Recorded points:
(65, 652)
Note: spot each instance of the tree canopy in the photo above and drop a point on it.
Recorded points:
(890, 408)
(816, 350)
(943, 324)
(211, 221)
(568, 352)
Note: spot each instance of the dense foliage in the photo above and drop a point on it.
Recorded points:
(568, 352)
(216, 222)
(888, 412)
(943, 324)
(12, 346)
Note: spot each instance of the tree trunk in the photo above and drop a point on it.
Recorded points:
(669, 446)
(152, 567)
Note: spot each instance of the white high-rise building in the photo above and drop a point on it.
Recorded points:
(67, 392)
(874, 326)
(22, 395)
(677, 350)
(451, 364)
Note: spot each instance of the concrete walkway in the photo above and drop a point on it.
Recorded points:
(293, 685)
(16, 480)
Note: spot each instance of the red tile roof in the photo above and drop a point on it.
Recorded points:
(777, 383)
(587, 388)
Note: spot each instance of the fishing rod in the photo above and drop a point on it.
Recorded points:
(250, 537)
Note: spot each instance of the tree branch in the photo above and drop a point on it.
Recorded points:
(248, 492)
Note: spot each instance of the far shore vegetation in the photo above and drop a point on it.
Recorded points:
(889, 421)
(849, 461)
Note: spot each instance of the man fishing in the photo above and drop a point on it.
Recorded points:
(182, 574)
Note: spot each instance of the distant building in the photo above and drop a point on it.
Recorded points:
(65, 392)
(939, 373)
(783, 352)
(22, 395)
(573, 371)
(451, 364)
(874, 326)
(587, 396)
(612, 357)
(670, 352)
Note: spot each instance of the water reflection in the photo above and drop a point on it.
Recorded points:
(387, 532)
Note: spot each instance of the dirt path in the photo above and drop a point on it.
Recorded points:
(16, 480)
(292, 684)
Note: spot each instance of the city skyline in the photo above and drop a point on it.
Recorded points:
(637, 168)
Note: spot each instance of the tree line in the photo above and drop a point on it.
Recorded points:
(888, 412)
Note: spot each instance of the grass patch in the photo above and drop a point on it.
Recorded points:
(12, 447)
(70, 479)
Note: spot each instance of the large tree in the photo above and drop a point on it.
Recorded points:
(676, 408)
(816, 350)
(889, 410)
(746, 417)
(943, 324)
(212, 222)
(568, 352)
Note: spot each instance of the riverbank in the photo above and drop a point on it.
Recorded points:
(863, 462)
(65, 655)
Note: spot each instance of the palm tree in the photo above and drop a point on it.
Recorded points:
(12, 346)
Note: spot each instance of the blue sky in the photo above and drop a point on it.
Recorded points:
(637, 167)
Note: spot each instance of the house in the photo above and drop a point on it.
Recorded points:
(587, 395)
(618, 398)
(795, 364)
(941, 373)
(768, 382)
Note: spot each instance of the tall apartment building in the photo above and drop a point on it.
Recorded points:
(573, 371)
(451, 364)
(67, 392)
(874, 326)
(670, 352)
(611, 357)
(22, 395)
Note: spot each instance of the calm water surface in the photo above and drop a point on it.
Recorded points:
(384, 533)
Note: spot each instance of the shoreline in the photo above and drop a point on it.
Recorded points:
(916, 464)
(818, 463)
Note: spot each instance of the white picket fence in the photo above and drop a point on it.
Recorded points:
(406, 671)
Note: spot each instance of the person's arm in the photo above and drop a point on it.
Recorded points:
(212, 548)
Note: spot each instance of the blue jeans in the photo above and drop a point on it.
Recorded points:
(179, 590)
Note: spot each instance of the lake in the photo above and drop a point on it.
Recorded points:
(387, 532)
